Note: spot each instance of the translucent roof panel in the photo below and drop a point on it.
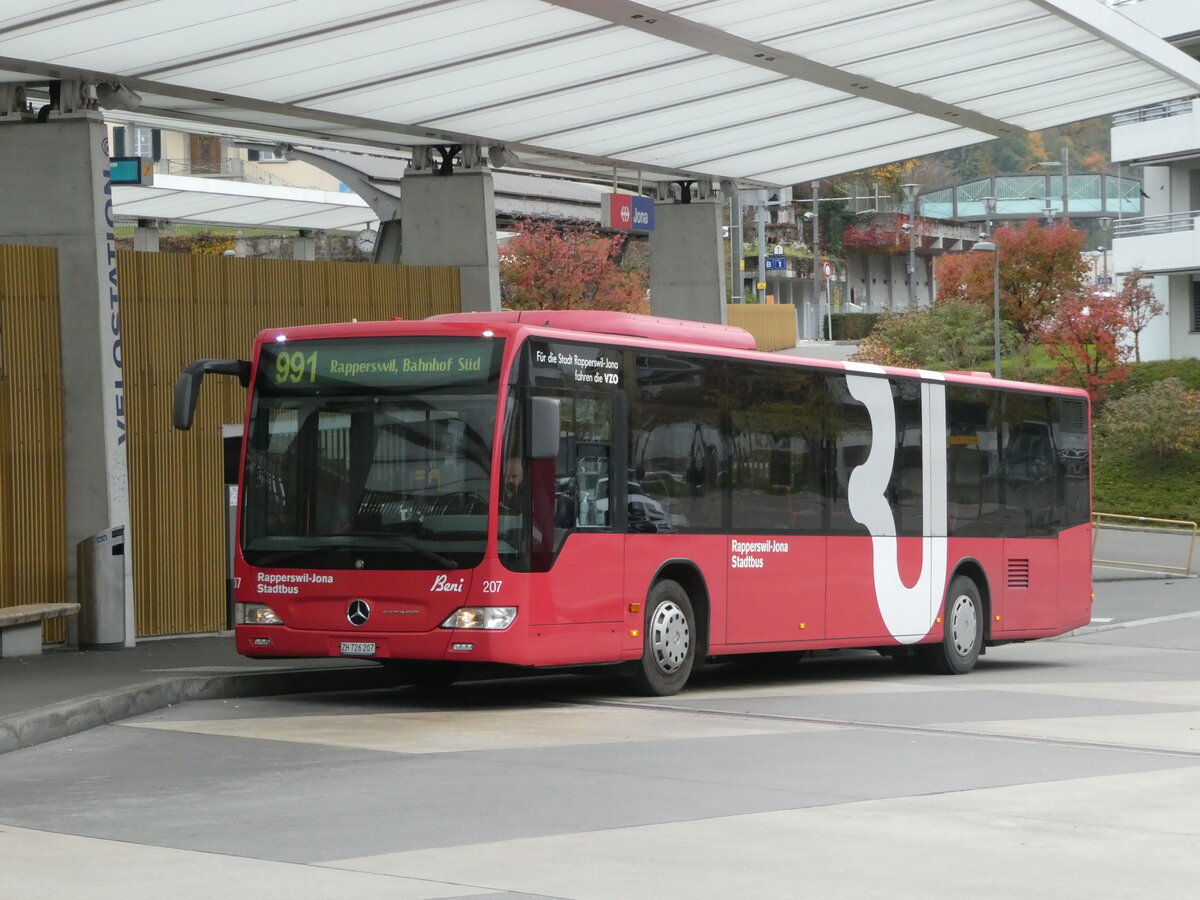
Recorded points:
(763, 91)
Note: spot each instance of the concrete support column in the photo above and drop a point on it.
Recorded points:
(60, 195)
(145, 236)
(304, 246)
(450, 220)
(687, 261)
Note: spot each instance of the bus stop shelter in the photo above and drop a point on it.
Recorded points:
(689, 101)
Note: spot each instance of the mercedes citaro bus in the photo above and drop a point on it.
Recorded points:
(568, 488)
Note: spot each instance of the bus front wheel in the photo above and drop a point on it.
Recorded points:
(668, 640)
(962, 627)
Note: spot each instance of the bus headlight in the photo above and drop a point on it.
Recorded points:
(256, 614)
(492, 618)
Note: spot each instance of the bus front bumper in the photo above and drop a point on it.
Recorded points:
(443, 644)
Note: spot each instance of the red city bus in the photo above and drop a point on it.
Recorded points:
(573, 488)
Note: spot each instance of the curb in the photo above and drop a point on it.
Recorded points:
(27, 729)
(1119, 574)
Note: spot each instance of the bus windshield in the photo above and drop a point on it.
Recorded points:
(371, 455)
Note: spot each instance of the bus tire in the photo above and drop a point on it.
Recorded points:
(962, 629)
(668, 640)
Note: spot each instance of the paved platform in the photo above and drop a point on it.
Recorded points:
(1059, 768)
(65, 691)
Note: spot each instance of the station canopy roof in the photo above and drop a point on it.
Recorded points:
(242, 204)
(758, 91)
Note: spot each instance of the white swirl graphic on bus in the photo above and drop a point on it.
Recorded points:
(908, 612)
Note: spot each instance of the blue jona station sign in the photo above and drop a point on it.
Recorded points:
(628, 212)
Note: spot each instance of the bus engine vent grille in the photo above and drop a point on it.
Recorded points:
(1018, 573)
(1074, 416)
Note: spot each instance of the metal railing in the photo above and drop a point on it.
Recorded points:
(231, 168)
(1157, 111)
(224, 167)
(1179, 528)
(1147, 225)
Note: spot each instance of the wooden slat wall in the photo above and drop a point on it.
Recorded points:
(176, 308)
(33, 562)
(772, 324)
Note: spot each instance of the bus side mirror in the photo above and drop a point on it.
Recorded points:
(187, 387)
(544, 427)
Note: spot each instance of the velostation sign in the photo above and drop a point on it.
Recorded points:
(627, 212)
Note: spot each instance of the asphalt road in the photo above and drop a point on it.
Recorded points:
(1059, 768)
(1124, 551)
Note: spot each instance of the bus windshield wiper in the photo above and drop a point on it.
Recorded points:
(409, 544)
(270, 559)
(391, 540)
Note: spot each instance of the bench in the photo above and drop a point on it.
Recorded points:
(21, 626)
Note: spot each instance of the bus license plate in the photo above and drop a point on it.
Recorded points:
(358, 648)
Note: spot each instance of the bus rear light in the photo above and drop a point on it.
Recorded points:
(491, 618)
(256, 614)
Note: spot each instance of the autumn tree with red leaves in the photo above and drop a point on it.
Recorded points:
(1037, 266)
(554, 267)
(1140, 307)
(1083, 337)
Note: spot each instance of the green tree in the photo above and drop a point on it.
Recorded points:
(1154, 423)
(950, 335)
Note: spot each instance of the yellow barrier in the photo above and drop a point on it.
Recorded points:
(1179, 526)
(772, 324)
(33, 531)
(179, 307)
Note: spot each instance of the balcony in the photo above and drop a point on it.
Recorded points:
(1158, 244)
(1163, 131)
(221, 167)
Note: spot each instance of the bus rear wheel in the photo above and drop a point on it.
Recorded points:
(668, 640)
(962, 630)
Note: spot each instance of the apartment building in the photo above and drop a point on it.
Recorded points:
(1164, 142)
(212, 156)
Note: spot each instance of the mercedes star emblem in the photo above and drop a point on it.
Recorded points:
(358, 612)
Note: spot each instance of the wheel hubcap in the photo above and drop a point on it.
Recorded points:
(669, 637)
(963, 625)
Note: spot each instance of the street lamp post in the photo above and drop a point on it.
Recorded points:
(989, 204)
(816, 248)
(736, 283)
(994, 249)
(1106, 224)
(910, 194)
(1065, 165)
(1066, 180)
(760, 222)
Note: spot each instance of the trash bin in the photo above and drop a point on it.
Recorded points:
(101, 567)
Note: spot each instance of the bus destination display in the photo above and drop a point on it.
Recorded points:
(305, 366)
